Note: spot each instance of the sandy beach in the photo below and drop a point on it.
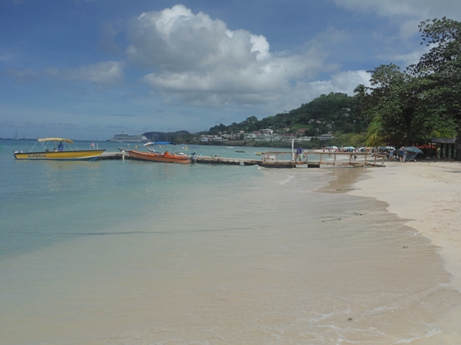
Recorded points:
(428, 195)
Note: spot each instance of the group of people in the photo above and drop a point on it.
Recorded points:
(399, 154)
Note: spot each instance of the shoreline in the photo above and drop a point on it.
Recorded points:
(427, 196)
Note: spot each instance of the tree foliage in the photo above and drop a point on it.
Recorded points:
(395, 102)
(423, 101)
(441, 69)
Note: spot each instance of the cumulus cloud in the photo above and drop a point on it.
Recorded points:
(199, 60)
(104, 73)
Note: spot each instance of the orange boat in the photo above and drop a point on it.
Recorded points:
(164, 157)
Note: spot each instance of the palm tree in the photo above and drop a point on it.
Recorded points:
(375, 133)
(360, 92)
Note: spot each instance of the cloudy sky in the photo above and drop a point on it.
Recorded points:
(89, 69)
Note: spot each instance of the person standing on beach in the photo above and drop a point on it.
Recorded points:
(391, 155)
(402, 154)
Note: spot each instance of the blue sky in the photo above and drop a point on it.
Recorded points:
(89, 69)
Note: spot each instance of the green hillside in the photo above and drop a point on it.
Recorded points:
(337, 113)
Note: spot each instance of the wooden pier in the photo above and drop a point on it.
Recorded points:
(228, 161)
(278, 159)
(244, 161)
(348, 159)
(338, 159)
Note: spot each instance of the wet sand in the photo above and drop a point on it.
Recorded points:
(428, 196)
(271, 262)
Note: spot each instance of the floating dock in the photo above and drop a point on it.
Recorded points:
(113, 155)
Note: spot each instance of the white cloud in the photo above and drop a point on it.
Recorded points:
(201, 61)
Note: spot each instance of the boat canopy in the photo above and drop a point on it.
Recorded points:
(42, 140)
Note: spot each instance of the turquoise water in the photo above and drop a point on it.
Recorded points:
(43, 202)
(129, 252)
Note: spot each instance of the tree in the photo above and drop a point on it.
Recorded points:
(441, 68)
(310, 132)
(395, 103)
(360, 92)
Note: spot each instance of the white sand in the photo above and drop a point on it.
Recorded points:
(428, 194)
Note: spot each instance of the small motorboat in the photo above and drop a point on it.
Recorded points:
(154, 155)
(163, 157)
(70, 153)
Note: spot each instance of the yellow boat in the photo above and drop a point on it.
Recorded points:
(71, 153)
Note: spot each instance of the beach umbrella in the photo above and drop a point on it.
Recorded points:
(413, 150)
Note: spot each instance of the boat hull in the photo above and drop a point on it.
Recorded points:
(159, 157)
(80, 155)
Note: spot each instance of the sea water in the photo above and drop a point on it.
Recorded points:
(129, 252)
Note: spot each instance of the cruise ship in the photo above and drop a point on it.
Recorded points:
(126, 138)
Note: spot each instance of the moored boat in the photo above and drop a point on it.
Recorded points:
(72, 153)
(165, 157)
(157, 153)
